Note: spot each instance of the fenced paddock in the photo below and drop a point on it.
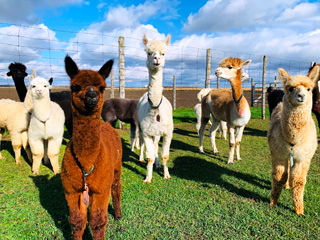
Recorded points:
(205, 199)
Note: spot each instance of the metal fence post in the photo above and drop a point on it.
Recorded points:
(174, 95)
(263, 106)
(208, 69)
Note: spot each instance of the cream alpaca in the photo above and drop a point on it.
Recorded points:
(15, 116)
(46, 126)
(292, 137)
(226, 105)
(154, 110)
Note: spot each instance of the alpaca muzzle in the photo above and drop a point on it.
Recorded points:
(91, 99)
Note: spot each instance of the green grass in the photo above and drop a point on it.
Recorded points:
(205, 199)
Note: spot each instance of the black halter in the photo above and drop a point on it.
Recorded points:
(237, 101)
(151, 104)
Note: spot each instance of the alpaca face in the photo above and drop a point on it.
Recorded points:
(39, 88)
(298, 89)
(87, 86)
(229, 68)
(17, 71)
(155, 52)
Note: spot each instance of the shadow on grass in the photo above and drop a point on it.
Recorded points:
(200, 170)
(7, 145)
(255, 132)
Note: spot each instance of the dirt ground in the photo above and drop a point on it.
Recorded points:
(186, 97)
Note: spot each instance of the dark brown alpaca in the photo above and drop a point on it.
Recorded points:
(91, 167)
(18, 72)
(125, 110)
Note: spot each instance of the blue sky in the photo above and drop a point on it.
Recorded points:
(287, 30)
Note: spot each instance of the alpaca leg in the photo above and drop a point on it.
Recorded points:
(25, 144)
(298, 179)
(53, 153)
(1, 133)
(203, 125)
(279, 178)
(165, 154)
(98, 213)
(150, 157)
(212, 133)
(116, 194)
(77, 214)
(232, 143)
(16, 144)
(37, 150)
(224, 128)
(239, 135)
(156, 151)
(141, 157)
(132, 135)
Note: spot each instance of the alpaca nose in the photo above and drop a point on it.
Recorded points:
(300, 97)
(91, 98)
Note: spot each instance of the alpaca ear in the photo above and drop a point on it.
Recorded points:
(314, 74)
(50, 81)
(106, 69)
(168, 39)
(71, 67)
(245, 63)
(9, 74)
(284, 76)
(145, 40)
(25, 74)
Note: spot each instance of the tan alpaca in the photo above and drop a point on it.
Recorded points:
(225, 105)
(292, 135)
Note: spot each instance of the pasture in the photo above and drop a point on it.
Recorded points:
(205, 199)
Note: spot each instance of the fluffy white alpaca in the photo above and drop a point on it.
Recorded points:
(15, 116)
(154, 110)
(46, 126)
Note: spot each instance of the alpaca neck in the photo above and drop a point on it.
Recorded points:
(28, 102)
(237, 89)
(21, 88)
(42, 108)
(86, 138)
(294, 121)
(155, 86)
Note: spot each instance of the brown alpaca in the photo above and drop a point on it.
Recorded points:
(292, 137)
(225, 105)
(91, 167)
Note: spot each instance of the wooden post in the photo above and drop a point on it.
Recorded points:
(208, 69)
(112, 86)
(218, 82)
(121, 67)
(174, 100)
(252, 92)
(263, 106)
(276, 81)
(121, 73)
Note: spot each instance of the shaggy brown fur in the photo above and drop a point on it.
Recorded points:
(292, 134)
(96, 146)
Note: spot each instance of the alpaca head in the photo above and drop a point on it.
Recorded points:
(298, 89)
(39, 88)
(229, 68)
(17, 71)
(87, 86)
(155, 52)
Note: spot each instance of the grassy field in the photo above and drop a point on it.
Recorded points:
(205, 199)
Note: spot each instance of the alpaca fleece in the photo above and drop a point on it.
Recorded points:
(95, 149)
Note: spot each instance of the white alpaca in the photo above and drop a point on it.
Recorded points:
(154, 110)
(46, 126)
(15, 116)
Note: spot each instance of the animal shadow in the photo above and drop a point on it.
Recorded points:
(51, 195)
(200, 170)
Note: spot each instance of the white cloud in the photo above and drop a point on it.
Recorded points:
(301, 11)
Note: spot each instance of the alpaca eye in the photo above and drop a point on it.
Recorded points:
(162, 54)
(149, 53)
(75, 88)
(101, 89)
(308, 89)
(230, 67)
(291, 89)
